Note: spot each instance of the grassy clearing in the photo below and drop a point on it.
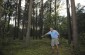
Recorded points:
(37, 47)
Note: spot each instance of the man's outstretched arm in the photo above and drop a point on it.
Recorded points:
(44, 35)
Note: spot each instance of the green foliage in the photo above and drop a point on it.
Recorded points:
(82, 38)
(48, 21)
(1, 8)
(37, 47)
(81, 28)
(81, 22)
(81, 18)
(63, 27)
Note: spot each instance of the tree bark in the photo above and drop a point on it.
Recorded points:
(36, 20)
(19, 12)
(19, 16)
(69, 23)
(50, 7)
(29, 23)
(55, 15)
(41, 19)
(33, 20)
(74, 23)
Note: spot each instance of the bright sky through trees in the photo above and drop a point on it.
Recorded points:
(63, 10)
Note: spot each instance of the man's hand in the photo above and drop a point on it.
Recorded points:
(43, 35)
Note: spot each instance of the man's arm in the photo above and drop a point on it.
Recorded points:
(44, 35)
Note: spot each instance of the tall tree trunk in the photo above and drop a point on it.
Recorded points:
(4, 27)
(19, 12)
(23, 28)
(69, 22)
(29, 23)
(41, 19)
(33, 21)
(50, 7)
(74, 23)
(55, 15)
(36, 20)
(25, 17)
(8, 23)
(19, 16)
(15, 31)
(50, 11)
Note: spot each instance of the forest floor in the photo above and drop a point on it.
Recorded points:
(37, 47)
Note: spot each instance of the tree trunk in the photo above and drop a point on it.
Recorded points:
(41, 19)
(29, 23)
(55, 15)
(69, 23)
(74, 24)
(8, 23)
(33, 21)
(4, 27)
(50, 7)
(36, 20)
(19, 12)
(15, 31)
(19, 16)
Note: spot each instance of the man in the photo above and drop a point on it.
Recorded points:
(54, 38)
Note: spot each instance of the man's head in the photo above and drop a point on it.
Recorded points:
(51, 29)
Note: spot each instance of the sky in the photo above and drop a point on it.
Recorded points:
(23, 2)
(63, 10)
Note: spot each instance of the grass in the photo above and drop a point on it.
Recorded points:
(37, 47)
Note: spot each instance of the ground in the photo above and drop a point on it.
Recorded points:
(38, 47)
